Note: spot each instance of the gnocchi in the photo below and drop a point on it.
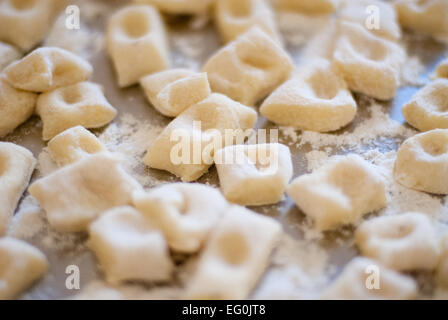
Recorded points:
(340, 192)
(308, 6)
(22, 264)
(79, 104)
(254, 175)
(186, 146)
(73, 145)
(235, 256)
(442, 70)
(442, 266)
(173, 91)
(402, 242)
(422, 162)
(428, 108)
(316, 99)
(8, 54)
(135, 33)
(128, 247)
(248, 68)
(179, 6)
(75, 195)
(184, 212)
(371, 65)
(16, 167)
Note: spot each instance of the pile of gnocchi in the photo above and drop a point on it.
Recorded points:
(134, 232)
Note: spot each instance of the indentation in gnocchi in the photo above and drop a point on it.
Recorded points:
(233, 248)
(23, 4)
(136, 24)
(239, 8)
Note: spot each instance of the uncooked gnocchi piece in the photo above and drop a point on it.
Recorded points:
(370, 64)
(235, 17)
(422, 162)
(184, 212)
(307, 6)
(73, 145)
(248, 68)
(75, 195)
(403, 242)
(316, 99)
(16, 106)
(340, 192)
(46, 69)
(179, 6)
(136, 42)
(429, 16)
(428, 108)
(235, 256)
(21, 265)
(128, 247)
(8, 54)
(365, 279)
(173, 91)
(79, 104)
(442, 70)
(254, 175)
(187, 145)
(16, 167)
(442, 267)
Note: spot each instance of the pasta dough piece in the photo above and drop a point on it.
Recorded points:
(129, 247)
(340, 192)
(235, 17)
(308, 6)
(442, 267)
(16, 167)
(46, 69)
(135, 33)
(402, 242)
(428, 108)
(316, 99)
(180, 6)
(429, 16)
(235, 257)
(75, 195)
(422, 162)
(354, 280)
(248, 68)
(254, 175)
(8, 54)
(370, 64)
(442, 70)
(73, 145)
(79, 104)
(21, 265)
(175, 90)
(16, 106)
(184, 212)
(186, 146)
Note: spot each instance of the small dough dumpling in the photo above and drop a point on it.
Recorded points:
(316, 98)
(16, 106)
(187, 145)
(184, 212)
(16, 167)
(8, 54)
(429, 16)
(442, 267)
(357, 282)
(428, 108)
(254, 175)
(75, 195)
(340, 192)
(371, 65)
(234, 17)
(422, 162)
(129, 247)
(179, 6)
(73, 145)
(21, 265)
(137, 44)
(172, 91)
(47, 68)
(82, 104)
(248, 68)
(307, 6)
(235, 256)
(403, 242)
(442, 70)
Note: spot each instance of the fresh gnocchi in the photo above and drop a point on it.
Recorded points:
(179, 6)
(316, 99)
(172, 91)
(442, 70)
(340, 192)
(135, 33)
(422, 162)
(254, 174)
(8, 54)
(248, 68)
